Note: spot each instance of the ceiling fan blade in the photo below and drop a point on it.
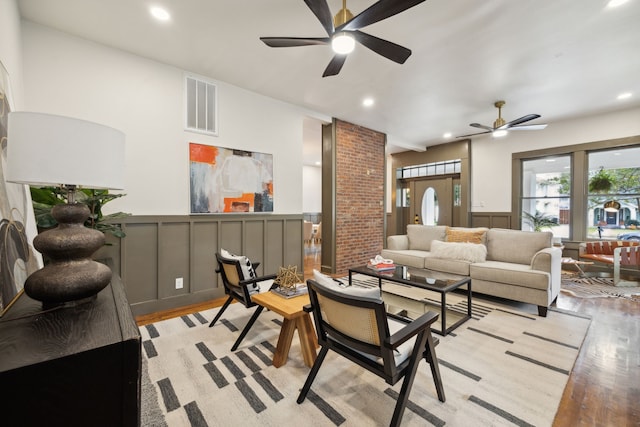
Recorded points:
(320, 8)
(478, 125)
(522, 119)
(389, 50)
(528, 127)
(472, 134)
(335, 65)
(294, 41)
(377, 12)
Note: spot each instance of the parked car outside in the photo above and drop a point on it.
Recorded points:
(634, 235)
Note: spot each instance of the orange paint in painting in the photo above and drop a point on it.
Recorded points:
(203, 153)
(270, 188)
(243, 203)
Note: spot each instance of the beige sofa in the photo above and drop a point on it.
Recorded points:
(512, 264)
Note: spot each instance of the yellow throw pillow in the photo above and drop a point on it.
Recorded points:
(465, 235)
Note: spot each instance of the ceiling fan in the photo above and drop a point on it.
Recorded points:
(500, 127)
(343, 31)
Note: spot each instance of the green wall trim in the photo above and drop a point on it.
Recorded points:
(160, 249)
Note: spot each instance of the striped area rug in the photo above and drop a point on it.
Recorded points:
(597, 287)
(504, 366)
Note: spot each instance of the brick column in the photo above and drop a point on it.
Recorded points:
(360, 208)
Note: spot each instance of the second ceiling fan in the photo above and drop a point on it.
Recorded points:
(500, 127)
(343, 31)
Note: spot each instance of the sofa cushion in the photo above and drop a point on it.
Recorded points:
(372, 292)
(472, 252)
(420, 236)
(468, 235)
(398, 242)
(407, 257)
(509, 273)
(515, 245)
(245, 264)
(447, 265)
(247, 269)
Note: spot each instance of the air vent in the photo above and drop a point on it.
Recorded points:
(202, 106)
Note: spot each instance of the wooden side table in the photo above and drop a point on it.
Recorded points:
(577, 264)
(78, 365)
(294, 318)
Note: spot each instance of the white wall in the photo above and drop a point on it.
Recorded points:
(10, 49)
(491, 157)
(312, 194)
(70, 76)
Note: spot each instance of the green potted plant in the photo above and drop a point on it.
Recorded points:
(601, 182)
(45, 198)
(539, 221)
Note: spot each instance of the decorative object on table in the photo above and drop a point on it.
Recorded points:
(18, 258)
(381, 264)
(229, 180)
(47, 150)
(287, 280)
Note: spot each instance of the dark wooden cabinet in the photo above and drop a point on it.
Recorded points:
(71, 366)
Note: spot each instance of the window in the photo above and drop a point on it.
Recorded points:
(581, 192)
(430, 169)
(613, 199)
(546, 195)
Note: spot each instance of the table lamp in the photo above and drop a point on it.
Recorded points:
(50, 150)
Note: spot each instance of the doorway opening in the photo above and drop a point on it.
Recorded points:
(312, 193)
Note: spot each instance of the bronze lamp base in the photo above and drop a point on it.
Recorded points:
(71, 274)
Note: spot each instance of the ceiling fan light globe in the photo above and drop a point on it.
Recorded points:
(343, 43)
(499, 133)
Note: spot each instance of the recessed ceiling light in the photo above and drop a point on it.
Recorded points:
(367, 102)
(159, 13)
(616, 3)
(625, 95)
(447, 135)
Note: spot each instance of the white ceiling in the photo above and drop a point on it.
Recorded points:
(560, 59)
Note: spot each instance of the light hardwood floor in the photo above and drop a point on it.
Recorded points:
(604, 386)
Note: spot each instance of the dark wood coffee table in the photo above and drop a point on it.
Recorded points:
(409, 288)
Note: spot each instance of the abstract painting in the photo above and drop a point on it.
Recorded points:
(229, 180)
(18, 258)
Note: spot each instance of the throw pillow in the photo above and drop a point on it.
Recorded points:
(372, 292)
(471, 252)
(246, 267)
(465, 235)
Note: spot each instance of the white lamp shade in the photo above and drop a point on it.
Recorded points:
(49, 150)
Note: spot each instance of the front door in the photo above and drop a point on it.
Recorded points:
(431, 201)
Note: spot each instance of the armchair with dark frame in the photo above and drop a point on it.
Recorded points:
(239, 288)
(360, 329)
